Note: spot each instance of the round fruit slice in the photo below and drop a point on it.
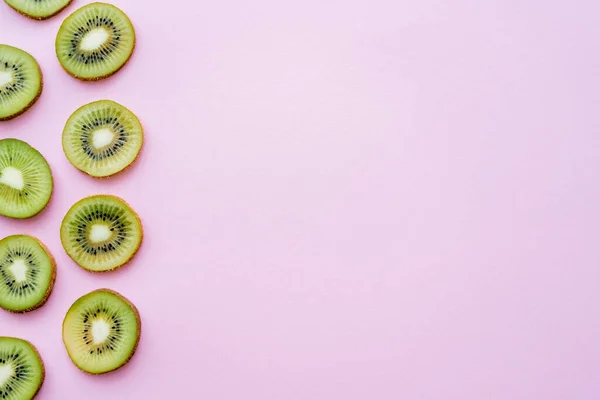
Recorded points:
(25, 180)
(102, 138)
(38, 9)
(101, 331)
(22, 370)
(95, 41)
(101, 233)
(27, 273)
(21, 81)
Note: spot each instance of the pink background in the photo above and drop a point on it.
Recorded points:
(352, 199)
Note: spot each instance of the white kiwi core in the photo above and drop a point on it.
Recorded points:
(94, 39)
(12, 177)
(100, 331)
(6, 77)
(99, 233)
(19, 270)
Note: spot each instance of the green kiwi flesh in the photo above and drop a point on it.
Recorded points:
(101, 233)
(22, 370)
(27, 274)
(95, 41)
(20, 81)
(102, 138)
(25, 180)
(38, 9)
(101, 331)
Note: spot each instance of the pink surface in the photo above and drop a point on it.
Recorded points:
(373, 200)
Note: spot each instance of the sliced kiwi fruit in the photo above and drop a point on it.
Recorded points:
(27, 273)
(101, 233)
(38, 9)
(102, 138)
(95, 41)
(26, 182)
(21, 81)
(22, 369)
(101, 331)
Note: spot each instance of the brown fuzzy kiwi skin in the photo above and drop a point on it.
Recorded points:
(125, 168)
(50, 286)
(43, 369)
(135, 252)
(51, 190)
(44, 17)
(138, 319)
(33, 101)
(99, 78)
(39, 356)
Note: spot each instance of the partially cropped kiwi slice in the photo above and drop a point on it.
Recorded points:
(22, 370)
(101, 233)
(102, 138)
(21, 81)
(38, 9)
(95, 41)
(101, 331)
(25, 179)
(27, 273)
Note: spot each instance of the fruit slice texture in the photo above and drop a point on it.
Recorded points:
(27, 273)
(21, 369)
(102, 138)
(95, 41)
(20, 81)
(101, 233)
(25, 180)
(38, 9)
(101, 331)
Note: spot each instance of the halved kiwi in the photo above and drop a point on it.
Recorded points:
(101, 233)
(38, 9)
(102, 138)
(26, 182)
(101, 331)
(22, 369)
(21, 81)
(95, 41)
(27, 273)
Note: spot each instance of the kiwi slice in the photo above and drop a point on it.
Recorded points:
(26, 182)
(102, 138)
(21, 81)
(27, 273)
(101, 331)
(22, 369)
(38, 9)
(95, 41)
(101, 233)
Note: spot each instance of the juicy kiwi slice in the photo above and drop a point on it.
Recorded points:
(26, 182)
(22, 370)
(38, 9)
(101, 233)
(21, 81)
(27, 273)
(102, 138)
(101, 331)
(95, 41)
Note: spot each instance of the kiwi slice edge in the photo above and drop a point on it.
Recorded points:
(62, 38)
(34, 355)
(65, 237)
(9, 210)
(39, 17)
(33, 63)
(73, 152)
(51, 279)
(80, 302)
